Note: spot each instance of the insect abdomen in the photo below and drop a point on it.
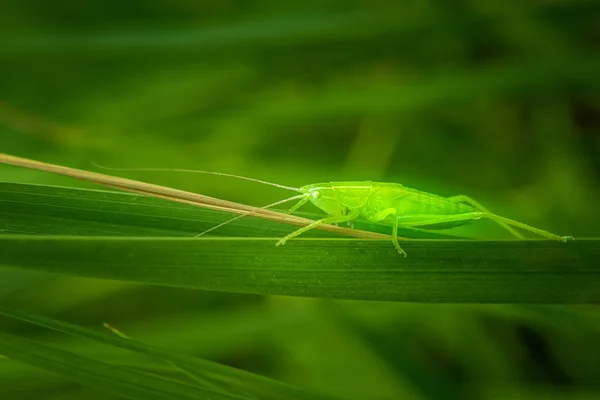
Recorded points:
(418, 202)
(411, 206)
(426, 207)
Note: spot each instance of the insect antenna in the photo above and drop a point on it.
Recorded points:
(251, 213)
(200, 172)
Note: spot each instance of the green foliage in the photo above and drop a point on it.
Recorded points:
(230, 379)
(437, 270)
(493, 99)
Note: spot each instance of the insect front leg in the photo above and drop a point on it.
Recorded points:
(380, 216)
(327, 220)
(461, 198)
(299, 204)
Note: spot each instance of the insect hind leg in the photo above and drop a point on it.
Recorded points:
(526, 227)
(461, 198)
(496, 218)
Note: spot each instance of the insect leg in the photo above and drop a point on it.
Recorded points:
(299, 204)
(478, 215)
(395, 237)
(526, 227)
(381, 215)
(327, 220)
(461, 198)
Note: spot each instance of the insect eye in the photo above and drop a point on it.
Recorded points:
(316, 194)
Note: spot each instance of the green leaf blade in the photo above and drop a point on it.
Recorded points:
(110, 378)
(514, 271)
(263, 387)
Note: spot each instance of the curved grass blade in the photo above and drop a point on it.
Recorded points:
(106, 377)
(201, 380)
(263, 387)
(511, 271)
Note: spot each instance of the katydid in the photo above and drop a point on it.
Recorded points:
(390, 204)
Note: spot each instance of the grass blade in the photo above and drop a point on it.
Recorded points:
(512, 271)
(110, 378)
(261, 386)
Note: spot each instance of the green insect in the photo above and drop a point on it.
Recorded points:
(387, 203)
(396, 205)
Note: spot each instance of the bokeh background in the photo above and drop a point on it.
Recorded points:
(496, 99)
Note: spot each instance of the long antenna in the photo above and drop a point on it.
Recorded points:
(250, 213)
(199, 172)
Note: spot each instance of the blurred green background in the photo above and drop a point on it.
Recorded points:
(494, 99)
